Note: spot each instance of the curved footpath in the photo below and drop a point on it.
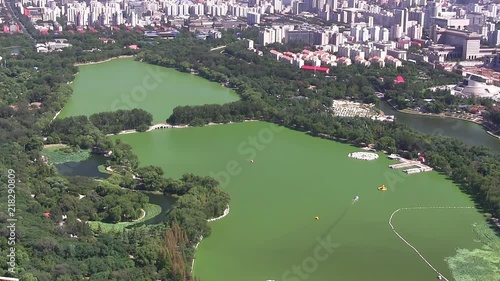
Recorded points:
(409, 245)
(102, 61)
(143, 214)
(226, 212)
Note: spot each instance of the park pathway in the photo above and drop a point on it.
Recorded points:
(217, 48)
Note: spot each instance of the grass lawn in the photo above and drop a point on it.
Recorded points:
(151, 210)
(102, 169)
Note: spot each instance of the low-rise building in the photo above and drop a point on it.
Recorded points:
(52, 46)
(476, 85)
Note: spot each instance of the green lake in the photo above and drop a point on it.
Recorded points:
(127, 84)
(271, 232)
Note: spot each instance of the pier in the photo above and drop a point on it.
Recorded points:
(417, 170)
(413, 166)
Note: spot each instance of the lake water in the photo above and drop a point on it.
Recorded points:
(271, 232)
(127, 84)
(86, 168)
(164, 201)
(295, 177)
(468, 132)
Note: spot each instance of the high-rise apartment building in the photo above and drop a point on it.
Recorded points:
(401, 19)
(267, 36)
(415, 32)
(253, 18)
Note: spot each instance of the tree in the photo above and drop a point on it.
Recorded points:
(114, 214)
(175, 186)
(147, 254)
(151, 177)
(386, 143)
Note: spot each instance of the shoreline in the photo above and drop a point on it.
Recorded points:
(493, 135)
(103, 61)
(170, 126)
(226, 212)
(413, 112)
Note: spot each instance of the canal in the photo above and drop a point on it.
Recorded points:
(88, 168)
(468, 132)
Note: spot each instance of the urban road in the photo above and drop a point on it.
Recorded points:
(9, 6)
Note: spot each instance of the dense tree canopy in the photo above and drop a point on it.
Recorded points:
(120, 120)
(53, 240)
(33, 87)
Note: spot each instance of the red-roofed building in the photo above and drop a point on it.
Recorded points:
(415, 43)
(275, 54)
(286, 59)
(477, 109)
(33, 12)
(316, 68)
(344, 61)
(399, 80)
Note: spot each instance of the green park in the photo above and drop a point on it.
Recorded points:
(203, 160)
(280, 180)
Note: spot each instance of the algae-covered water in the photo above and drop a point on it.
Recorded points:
(127, 84)
(271, 232)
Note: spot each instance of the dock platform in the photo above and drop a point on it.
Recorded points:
(405, 163)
